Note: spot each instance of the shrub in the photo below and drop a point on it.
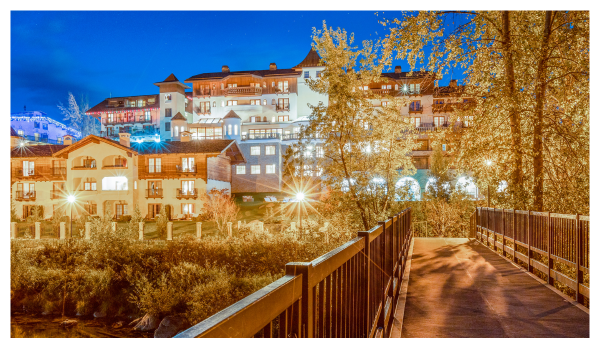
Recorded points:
(126, 218)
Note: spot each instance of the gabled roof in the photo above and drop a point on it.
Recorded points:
(178, 116)
(312, 59)
(171, 78)
(92, 139)
(232, 115)
(257, 73)
(103, 106)
(46, 150)
(449, 91)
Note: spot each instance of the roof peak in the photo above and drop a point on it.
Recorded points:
(178, 116)
(232, 115)
(312, 59)
(171, 78)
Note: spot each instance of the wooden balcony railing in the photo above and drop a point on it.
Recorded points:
(85, 166)
(19, 172)
(418, 109)
(115, 166)
(189, 193)
(359, 282)
(188, 169)
(25, 196)
(384, 92)
(282, 107)
(154, 193)
(243, 91)
(556, 245)
(267, 136)
(136, 119)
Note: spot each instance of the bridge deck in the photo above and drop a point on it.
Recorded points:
(459, 288)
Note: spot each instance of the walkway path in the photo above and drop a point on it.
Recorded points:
(459, 288)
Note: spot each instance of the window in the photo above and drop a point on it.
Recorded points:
(91, 208)
(45, 126)
(215, 104)
(89, 186)
(204, 107)
(439, 101)
(187, 208)
(273, 84)
(176, 131)
(235, 129)
(318, 73)
(255, 150)
(28, 168)
(114, 183)
(187, 187)
(283, 86)
(151, 100)
(283, 104)
(120, 162)
(416, 121)
(264, 102)
(418, 88)
(415, 106)
(168, 112)
(443, 147)
(20, 132)
(154, 165)
(306, 74)
(438, 121)
(36, 124)
(167, 97)
(283, 118)
(240, 169)
(412, 87)
(255, 169)
(255, 102)
(319, 152)
(269, 150)
(153, 210)
(386, 86)
(25, 190)
(232, 85)
(167, 126)
(229, 129)
(270, 169)
(468, 121)
(222, 103)
(384, 104)
(396, 86)
(121, 209)
(134, 184)
(187, 164)
(232, 103)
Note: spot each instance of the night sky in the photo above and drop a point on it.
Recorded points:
(100, 54)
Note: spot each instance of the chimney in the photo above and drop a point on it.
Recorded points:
(398, 69)
(186, 136)
(453, 83)
(225, 69)
(68, 140)
(273, 66)
(124, 139)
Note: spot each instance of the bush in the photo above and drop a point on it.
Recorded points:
(126, 218)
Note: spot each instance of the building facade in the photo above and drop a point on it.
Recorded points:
(264, 111)
(107, 175)
(37, 127)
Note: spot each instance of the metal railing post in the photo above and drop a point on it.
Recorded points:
(578, 272)
(367, 281)
(549, 247)
(529, 239)
(503, 234)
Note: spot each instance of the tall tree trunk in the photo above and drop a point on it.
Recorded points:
(540, 100)
(515, 118)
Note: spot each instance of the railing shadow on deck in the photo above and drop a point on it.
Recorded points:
(552, 244)
(351, 291)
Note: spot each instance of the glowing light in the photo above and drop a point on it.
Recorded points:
(405, 88)
(300, 196)
(22, 144)
(139, 141)
(157, 140)
(71, 198)
(488, 162)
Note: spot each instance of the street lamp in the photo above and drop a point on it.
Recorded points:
(299, 198)
(71, 200)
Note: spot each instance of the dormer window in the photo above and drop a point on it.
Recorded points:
(167, 98)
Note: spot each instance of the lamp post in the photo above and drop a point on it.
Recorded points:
(300, 198)
(71, 200)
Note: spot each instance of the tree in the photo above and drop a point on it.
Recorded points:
(74, 114)
(13, 212)
(221, 207)
(161, 222)
(529, 68)
(352, 146)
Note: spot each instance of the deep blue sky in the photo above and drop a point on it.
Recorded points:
(123, 53)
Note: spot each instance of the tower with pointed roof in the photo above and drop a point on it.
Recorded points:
(172, 102)
(310, 67)
(232, 126)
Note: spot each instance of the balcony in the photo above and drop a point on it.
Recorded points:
(204, 92)
(288, 137)
(122, 165)
(417, 109)
(384, 92)
(267, 136)
(56, 194)
(186, 194)
(59, 171)
(25, 195)
(85, 166)
(283, 107)
(242, 91)
(136, 119)
(186, 169)
(154, 193)
(27, 173)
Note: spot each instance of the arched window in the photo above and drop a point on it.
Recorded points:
(264, 102)
(235, 131)
(229, 130)
(176, 131)
(408, 189)
(265, 119)
(273, 102)
(214, 104)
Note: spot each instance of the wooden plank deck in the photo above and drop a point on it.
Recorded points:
(459, 288)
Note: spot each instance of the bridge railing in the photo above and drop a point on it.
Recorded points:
(351, 291)
(545, 241)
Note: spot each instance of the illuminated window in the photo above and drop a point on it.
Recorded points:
(114, 183)
(167, 97)
(255, 169)
(168, 112)
(240, 169)
(269, 150)
(270, 169)
(255, 150)
(283, 118)
(235, 129)
(229, 129)
(264, 102)
(318, 73)
(232, 103)
(154, 165)
(319, 152)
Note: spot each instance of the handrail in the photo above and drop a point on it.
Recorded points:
(353, 288)
(559, 238)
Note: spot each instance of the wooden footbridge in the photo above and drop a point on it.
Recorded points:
(519, 274)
